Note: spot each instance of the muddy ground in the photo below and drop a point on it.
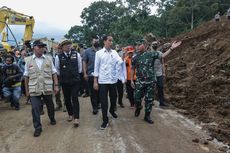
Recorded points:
(198, 77)
(171, 133)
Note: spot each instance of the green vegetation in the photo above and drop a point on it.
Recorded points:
(128, 20)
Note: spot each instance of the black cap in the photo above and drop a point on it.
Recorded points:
(38, 43)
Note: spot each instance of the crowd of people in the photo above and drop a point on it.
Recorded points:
(98, 72)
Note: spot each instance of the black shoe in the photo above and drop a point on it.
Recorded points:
(148, 119)
(95, 111)
(53, 122)
(114, 115)
(37, 132)
(121, 105)
(104, 125)
(138, 110)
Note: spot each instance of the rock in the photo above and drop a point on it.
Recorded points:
(196, 140)
(224, 149)
(203, 141)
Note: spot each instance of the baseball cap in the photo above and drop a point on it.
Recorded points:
(38, 43)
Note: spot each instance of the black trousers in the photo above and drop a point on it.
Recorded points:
(70, 92)
(120, 91)
(130, 92)
(94, 94)
(104, 89)
(36, 102)
(83, 85)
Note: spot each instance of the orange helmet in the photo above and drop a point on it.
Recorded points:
(129, 49)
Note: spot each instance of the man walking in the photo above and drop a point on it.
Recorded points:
(144, 87)
(88, 69)
(40, 76)
(69, 67)
(105, 78)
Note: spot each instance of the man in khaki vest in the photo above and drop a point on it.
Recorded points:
(40, 78)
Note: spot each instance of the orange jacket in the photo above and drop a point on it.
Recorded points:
(128, 63)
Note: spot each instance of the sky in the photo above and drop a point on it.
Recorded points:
(52, 17)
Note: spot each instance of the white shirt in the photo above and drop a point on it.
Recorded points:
(39, 62)
(106, 66)
(57, 63)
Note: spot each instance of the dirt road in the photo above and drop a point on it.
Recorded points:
(171, 133)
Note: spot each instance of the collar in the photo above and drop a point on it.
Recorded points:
(43, 56)
(105, 50)
(67, 53)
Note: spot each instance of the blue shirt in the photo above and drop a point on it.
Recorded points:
(89, 58)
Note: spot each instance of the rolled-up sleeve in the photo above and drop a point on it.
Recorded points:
(54, 71)
(96, 65)
(57, 65)
(26, 73)
(79, 63)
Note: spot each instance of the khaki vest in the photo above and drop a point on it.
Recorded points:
(40, 80)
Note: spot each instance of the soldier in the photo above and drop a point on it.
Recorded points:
(143, 64)
(40, 75)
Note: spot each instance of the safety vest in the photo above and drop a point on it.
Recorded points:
(40, 80)
(128, 62)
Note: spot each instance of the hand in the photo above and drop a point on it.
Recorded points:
(132, 84)
(56, 89)
(95, 86)
(176, 44)
(86, 77)
(27, 93)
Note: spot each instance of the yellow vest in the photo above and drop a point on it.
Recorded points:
(40, 80)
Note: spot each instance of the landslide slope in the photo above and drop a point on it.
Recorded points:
(198, 77)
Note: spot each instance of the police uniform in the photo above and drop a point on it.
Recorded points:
(145, 78)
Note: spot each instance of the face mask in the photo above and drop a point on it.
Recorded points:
(96, 44)
(9, 65)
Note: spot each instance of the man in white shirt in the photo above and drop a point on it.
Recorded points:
(69, 67)
(40, 77)
(105, 78)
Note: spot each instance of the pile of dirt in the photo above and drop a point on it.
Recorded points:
(198, 77)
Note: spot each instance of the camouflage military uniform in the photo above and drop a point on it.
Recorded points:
(143, 63)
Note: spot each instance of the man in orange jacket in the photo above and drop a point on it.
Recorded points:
(128, 61)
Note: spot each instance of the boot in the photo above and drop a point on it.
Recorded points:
(147, 118)
(138, 110)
